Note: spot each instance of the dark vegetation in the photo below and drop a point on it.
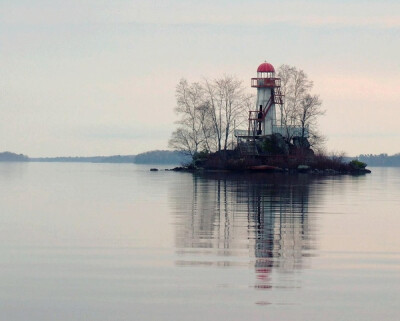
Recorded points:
(276, 155)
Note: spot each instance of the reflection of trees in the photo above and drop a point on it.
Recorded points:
(266, 214)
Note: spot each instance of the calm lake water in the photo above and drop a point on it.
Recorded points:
(118, 242)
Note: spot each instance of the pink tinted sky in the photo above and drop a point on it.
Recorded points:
(99, 78)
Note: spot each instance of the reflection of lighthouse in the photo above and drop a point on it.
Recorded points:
(281, 236)
(232, 215)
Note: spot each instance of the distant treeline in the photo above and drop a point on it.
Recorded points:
(152, 157)
(162, 157)
(170, 157)
(90, 159)
(12, 157)
(380, 160)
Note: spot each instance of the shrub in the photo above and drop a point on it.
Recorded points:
(199, 158)
(356, 164)
(272, 145)
(334, 162)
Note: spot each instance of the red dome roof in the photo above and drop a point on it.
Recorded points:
(265, 67)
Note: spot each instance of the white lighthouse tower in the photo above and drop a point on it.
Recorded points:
(262, 122)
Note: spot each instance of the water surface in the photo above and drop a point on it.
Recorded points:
(118, 242)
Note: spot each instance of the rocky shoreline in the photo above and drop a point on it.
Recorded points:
(274, 155)
(299, 170)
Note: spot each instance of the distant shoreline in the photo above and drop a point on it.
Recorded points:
(171, 157)
(151, 157)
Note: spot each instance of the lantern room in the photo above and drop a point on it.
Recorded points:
(265, 77)
(265, 70)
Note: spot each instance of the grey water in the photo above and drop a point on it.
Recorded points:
(118, 242)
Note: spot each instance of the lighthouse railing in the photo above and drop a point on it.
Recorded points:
(290, 131)
(265, 82)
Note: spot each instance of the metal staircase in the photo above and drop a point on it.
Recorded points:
(247, 138)
(278, 96)
(254, 115)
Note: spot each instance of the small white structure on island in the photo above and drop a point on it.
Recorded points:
(263, 120)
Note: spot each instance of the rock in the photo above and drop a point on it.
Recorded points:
(303, 168)
(274, 144)
(330, 171)
(301, 142)
(281, 143)
(153, 169)
(360, 171)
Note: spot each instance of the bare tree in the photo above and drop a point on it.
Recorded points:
(182, 140)
(206, 127)
(208, 112)
(285, 73)
(190, 135)
(317, 141)
(228, 105)
(300, 109)
(214, 111)
(308, 112)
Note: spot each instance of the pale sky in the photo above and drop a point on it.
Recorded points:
(98, 77)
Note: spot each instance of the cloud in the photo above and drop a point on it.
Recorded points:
(252, 13)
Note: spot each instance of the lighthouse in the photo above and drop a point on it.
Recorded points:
(263, 119)
(262, 122)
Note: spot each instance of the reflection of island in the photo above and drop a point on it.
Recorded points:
(230, 216)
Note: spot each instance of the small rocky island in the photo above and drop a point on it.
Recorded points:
(274, 154)
(279, 133)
